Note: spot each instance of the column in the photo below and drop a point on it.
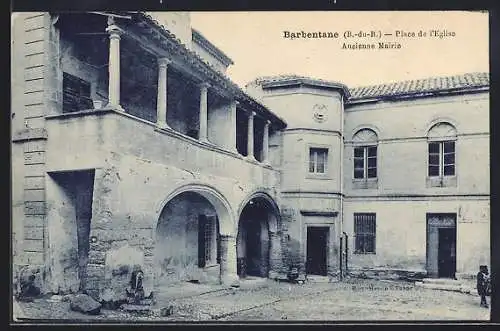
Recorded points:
(228, 268)
(265, 143)
(250, 141)
(114, 65)
(161, 104)
(232, 142)
(203, 134)
(275, 262)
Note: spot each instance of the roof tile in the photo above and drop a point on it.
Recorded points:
(426, 85)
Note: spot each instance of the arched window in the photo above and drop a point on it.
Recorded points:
(365, 154)
(441, 141)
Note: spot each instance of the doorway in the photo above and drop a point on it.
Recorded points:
(317, 248)
(441, 245)
(254, 249)
(446, 253)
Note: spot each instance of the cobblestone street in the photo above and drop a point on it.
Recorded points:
(354, 300)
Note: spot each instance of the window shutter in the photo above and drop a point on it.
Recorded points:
(76, 94)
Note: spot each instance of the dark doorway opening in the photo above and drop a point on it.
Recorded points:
(254, 249)
(317, 247)
(441, 245)
(446, 253)
(74, 207)
(253, 242)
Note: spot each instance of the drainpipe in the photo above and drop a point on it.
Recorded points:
(341, 170)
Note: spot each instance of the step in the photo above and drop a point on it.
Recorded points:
(445, 281)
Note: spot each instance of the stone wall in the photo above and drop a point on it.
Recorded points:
(130, 156)
(403, 127)
(32, 51)
(176, 248)
(401, 232)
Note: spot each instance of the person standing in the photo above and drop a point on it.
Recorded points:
(483, 279)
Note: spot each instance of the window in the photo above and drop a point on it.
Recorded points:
(441, 158)
(365, 154)
(364, 232)
(76, 94)
(441, 150)
(365, 162)
(207, 237)
(317, 160)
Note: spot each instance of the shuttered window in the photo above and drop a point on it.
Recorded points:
(76, 94)
(364, 232)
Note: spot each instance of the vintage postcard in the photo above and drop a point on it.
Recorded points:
(250, 166)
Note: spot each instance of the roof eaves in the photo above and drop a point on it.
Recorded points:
(212, 72)
(307, 82)
(419, 94)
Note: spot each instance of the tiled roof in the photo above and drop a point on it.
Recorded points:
(200, 64)
(409, 88)
(421, 86)
(290, 79)
(278, 78)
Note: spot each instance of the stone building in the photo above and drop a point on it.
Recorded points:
(130, 146)
(399, 171)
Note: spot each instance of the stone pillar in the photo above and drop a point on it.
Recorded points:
(250, 142)
(161, 104)
(275, 259)
(114, 65)
(265, 143)
(203, 135)
(228, 266)
(232, 142)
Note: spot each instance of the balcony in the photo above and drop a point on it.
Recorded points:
(89, 138)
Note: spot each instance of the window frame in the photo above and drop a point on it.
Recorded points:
(364, 234)
(315, 152)
(441, 158)
(327, 161)
(365, 148)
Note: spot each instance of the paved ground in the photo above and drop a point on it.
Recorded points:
(268, 300)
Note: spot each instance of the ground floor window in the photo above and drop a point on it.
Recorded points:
(364, 233)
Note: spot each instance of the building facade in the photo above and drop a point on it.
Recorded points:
(130, 146)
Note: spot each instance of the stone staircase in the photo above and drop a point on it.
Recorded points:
(447, 284)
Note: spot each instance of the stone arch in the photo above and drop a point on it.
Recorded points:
(365, 135)
(373, 130)
(191, 222)
(267, 197)
(258, 241)
(441, 129)
(217, 199)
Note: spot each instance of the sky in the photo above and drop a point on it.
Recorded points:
(255, 42)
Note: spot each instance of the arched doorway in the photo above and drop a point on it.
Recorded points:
(256, 239)
(188, 237)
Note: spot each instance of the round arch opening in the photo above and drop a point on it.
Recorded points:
(255, 244)
(187, 237)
